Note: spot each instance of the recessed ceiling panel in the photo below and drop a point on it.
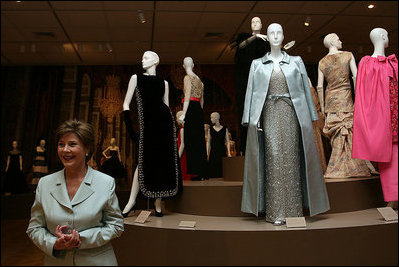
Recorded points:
(382, 8)
(88, 34)
(129, 19)
(130, 35)
(128, 5)
(233, 6)
(290, 7)
(24, 5)
(11, 35)
(323, 7)
(181, 5)
(77, 5)
(82, 19)
(28, 19)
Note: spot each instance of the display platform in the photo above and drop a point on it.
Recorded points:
(217, 197)
(350, 238)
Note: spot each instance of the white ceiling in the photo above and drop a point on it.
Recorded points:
(175, 29)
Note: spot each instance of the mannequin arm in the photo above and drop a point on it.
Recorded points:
(208, 145)
(320, 93)
(166, 95)
(105, 151)
(202, 98)
(8, 163)
(228, 143)
(119, 154)
(187, 95)
(251, 39)
(130, 91)
(353, 68)
(181, 148)
(20, 162)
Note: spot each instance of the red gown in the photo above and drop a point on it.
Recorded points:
(183, 161)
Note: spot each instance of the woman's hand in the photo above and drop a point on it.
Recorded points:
(66, 241)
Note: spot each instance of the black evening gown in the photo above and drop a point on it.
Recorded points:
(216, 153)
(113, 167)
(194, 139)
(15, 182)
(159, 172)
(242, 64)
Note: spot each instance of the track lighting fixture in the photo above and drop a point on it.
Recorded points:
(141, 16)
(307, 21)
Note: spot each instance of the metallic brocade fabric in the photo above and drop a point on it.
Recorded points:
(283, 195)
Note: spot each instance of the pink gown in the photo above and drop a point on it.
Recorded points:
(375, 122)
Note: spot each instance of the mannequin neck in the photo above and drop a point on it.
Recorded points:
(379, 50)
(189, 71)
(151, 71)
(217, 125)
(275, 53)
(255, 32)
(333, 50)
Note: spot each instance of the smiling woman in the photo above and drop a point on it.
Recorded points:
(77, 197)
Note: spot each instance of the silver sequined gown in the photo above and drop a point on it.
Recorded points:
(282, 194)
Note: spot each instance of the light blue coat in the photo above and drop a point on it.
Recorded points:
(94, 212)
(315, 196)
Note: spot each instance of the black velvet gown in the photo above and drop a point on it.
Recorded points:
(242, 64)
(217, 152)
(113, 167)
(14, 181)
(159, 172)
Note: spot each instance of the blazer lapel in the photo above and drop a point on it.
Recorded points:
(85, 189)
(59, 192)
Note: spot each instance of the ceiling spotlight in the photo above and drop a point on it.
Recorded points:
(371, 6)
(100, 47)
(307, 21)
(22, 48)
(109, 47)
(309, 49)
(141, 16)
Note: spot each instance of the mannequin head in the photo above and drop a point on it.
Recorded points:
(256, 24)
(188, 63)
(42, 142)
(275, 35)
(379, 36)
(150, 59)
(332, 39)
(113, 141)
(215, 117)
(14, 144)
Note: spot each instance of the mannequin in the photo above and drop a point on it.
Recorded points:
(218, 141)
(338, 108)
(113, 164)
(40, 168)
(282, 171)
(193, 119)
(318, 128)
(14, 178)
(375, 123)
(182, 152)
(249, 47)
(157, 137)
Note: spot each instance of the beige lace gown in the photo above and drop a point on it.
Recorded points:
(338, 125)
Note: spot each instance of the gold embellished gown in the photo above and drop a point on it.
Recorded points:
(338, 125)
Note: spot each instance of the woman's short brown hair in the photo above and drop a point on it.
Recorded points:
(82, 129)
